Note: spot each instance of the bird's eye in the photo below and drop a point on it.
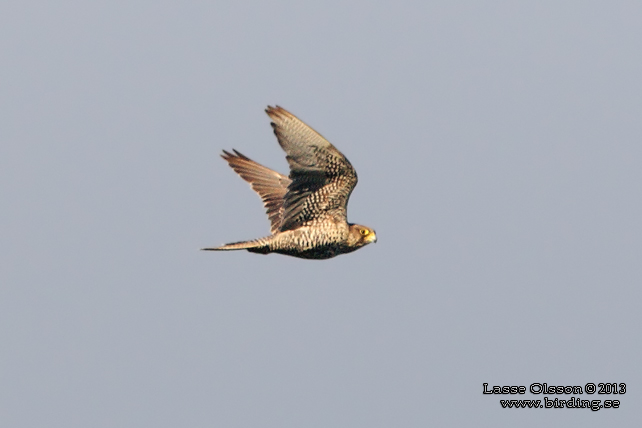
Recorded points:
(364, 232)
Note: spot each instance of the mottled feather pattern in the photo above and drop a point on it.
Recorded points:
(308, 209)
(322, 177)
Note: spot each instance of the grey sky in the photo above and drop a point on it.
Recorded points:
(498, 147)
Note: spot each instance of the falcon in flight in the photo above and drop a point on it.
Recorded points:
(308, 209)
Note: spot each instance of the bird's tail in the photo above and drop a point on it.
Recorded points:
(255, 246)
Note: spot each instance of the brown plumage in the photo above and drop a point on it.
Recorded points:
(308, 209)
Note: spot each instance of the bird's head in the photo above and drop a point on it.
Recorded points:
(361, 235)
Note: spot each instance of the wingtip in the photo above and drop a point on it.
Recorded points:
(276, 111)
(230, 156)
(241, 155)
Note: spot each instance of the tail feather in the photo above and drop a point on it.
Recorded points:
(255, 246)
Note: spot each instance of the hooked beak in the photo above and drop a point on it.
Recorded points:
(372, 237)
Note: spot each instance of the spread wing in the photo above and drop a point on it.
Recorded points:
(322, 179)
(270, 185)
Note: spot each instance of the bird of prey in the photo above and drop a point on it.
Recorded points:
(308, 209)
